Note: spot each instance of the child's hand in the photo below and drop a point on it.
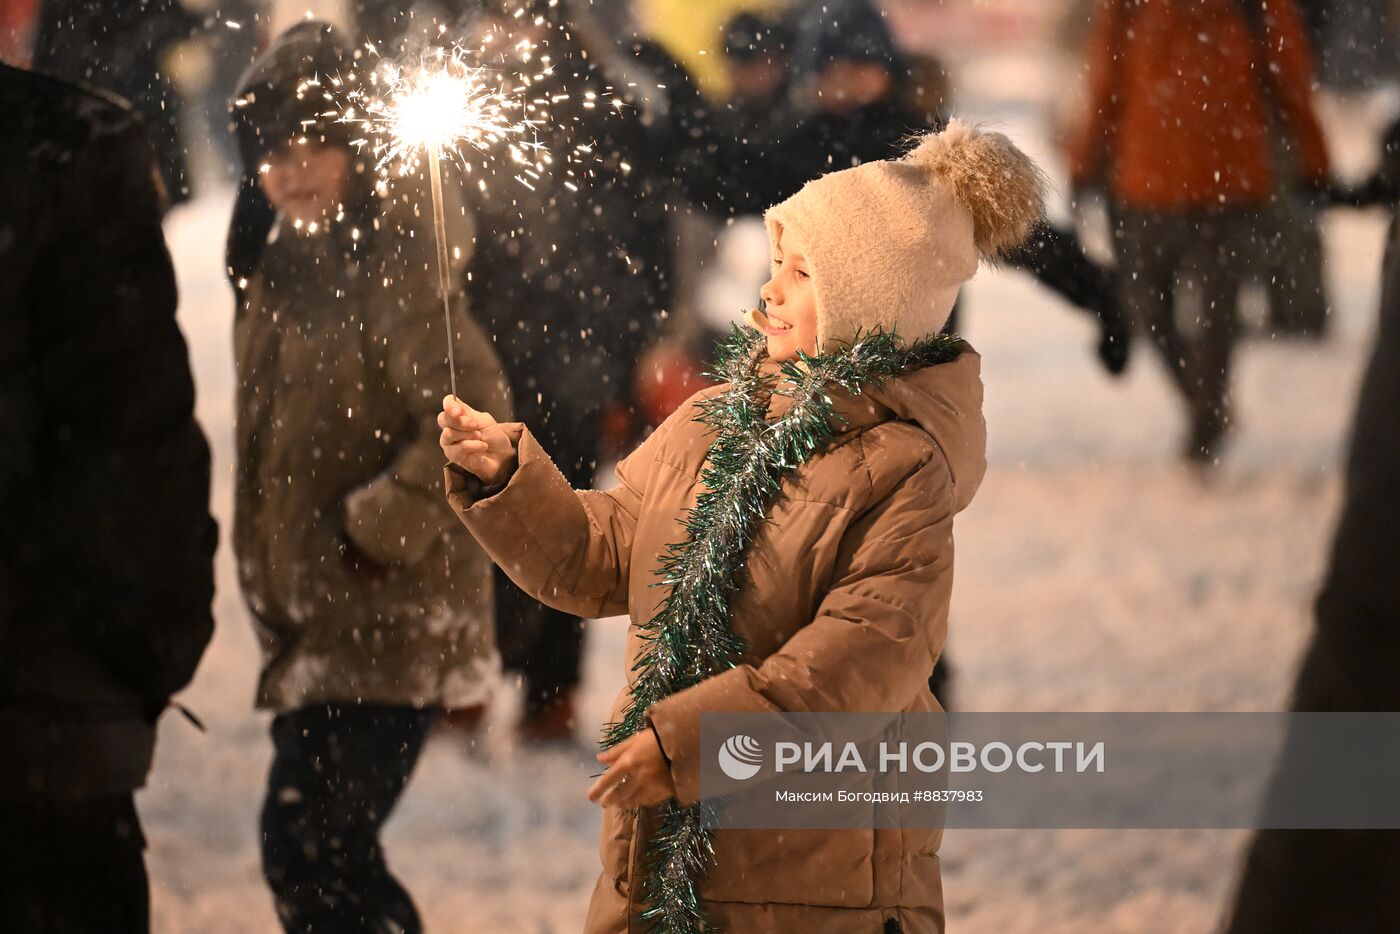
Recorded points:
(473, 441)
(637, 774)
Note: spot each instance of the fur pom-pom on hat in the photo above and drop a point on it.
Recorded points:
(995, 182)
(890, 243)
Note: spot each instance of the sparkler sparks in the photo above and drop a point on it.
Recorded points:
(442, 102)
(445, 105)
(434, 108)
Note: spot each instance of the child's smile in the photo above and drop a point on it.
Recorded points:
(774, 325)
(789, 310)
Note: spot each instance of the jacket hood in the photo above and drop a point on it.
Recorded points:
(286, 94)
(945, 400)
(289, 92)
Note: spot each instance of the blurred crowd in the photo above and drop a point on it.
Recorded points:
(585, 314)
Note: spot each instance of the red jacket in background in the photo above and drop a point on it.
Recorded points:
(1181, 95)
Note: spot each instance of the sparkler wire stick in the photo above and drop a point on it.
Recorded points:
(444, 274)
(434, 108)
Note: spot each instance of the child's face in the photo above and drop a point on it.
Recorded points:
(757, 79)
(848, 84)
(791, 302)
(305, 181)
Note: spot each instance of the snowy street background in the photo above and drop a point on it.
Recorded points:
(1094, 573)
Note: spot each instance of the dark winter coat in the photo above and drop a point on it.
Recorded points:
(106, 576)
(363, 586)
(745, 167)
(572, 273)
(121, 47)
(846, 609)
(798, 146)
(1344, 880)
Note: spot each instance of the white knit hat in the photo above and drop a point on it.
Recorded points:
(889, 243)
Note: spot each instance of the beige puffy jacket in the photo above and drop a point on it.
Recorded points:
(846, 610)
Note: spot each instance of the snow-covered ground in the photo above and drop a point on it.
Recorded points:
(1093, 574)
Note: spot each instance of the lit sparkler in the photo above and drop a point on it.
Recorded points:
(439, 106)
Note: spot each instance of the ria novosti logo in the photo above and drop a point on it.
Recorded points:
(740, 757)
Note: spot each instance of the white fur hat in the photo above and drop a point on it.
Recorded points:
(890, 243)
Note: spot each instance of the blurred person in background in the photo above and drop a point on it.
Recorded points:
(571, 276)
(854, 97)
(373, 611)
(1354, 42)
(1177, 131)
(124, 48)
(842, 106)
(758, 56)
(1346, 880)
(232, 33)
(107, 574)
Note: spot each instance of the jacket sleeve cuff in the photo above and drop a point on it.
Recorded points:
(465, 489)
(676, 720)
(469, 486)
(659, 744)
(531, 528)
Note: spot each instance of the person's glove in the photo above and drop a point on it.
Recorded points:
(1114, 341)
(359, 565)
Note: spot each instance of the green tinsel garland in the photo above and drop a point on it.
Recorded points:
(690, 638)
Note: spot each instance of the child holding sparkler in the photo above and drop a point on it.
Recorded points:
(372, 605)
(801, 518)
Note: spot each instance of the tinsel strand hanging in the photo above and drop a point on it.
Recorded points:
(690, 637)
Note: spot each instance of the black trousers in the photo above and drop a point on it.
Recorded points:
(1157, 253)
(542, 644)
(337, 772)
(73, 866)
